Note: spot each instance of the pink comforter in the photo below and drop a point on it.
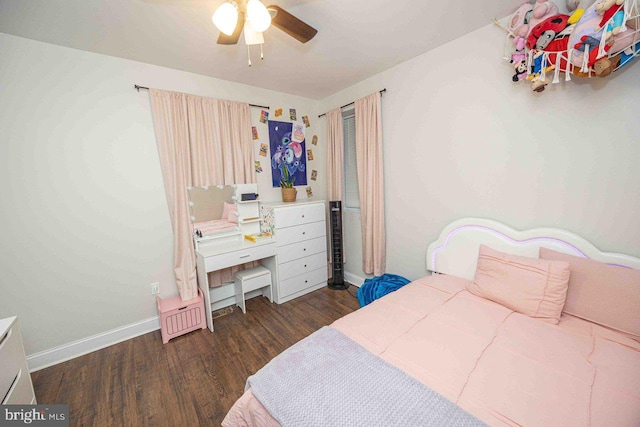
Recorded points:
(501, 366)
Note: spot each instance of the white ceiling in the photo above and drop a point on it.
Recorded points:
(356, 38)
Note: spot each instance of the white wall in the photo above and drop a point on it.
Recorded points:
(85, 226)
(460, 140)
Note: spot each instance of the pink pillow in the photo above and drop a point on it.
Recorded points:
(228, 212)
(529, 286)
(604, 294)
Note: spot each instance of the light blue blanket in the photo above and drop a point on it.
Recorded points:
(329, 380)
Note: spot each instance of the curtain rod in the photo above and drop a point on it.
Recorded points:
(351, 103)
(138, 87)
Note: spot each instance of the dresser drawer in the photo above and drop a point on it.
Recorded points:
(303, 265)
(15, 381)
(21, 392)
(230, 259)
(11, 359)
(289, 235)
(296, 215)
(301, 250)
(303, 281)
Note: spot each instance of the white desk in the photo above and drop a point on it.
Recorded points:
(217, 256)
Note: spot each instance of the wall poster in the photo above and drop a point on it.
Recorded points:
(286, 153)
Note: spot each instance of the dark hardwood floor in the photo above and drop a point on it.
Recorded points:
(194, 379)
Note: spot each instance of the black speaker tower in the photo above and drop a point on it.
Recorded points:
(335, 214)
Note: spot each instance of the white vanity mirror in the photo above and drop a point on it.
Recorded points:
(213, 210)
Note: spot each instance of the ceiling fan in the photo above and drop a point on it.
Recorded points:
(253, 17)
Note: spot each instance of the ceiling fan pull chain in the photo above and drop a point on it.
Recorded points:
(261, 52)
(249, 55)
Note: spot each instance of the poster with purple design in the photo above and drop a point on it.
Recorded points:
(286, 153)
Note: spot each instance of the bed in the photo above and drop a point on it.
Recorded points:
(489, 361)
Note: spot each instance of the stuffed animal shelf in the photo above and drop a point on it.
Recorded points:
(597, 38)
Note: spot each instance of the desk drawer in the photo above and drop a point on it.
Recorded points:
(289, 235)
(303, 281)
(302, 265)
(296, 215)
(301, 250)
(231, 259)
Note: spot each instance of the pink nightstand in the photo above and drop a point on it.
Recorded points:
(178, 317)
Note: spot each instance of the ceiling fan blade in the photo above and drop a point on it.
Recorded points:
(233, 38)
(291, 25)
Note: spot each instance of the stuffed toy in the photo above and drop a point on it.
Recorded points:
(586, 41)
(519, 60)
(528, 15)
(539, 70)
(605, 66)
(552, 36)
(625, 38)
(547, 34)
(519, 53)
(577, 7)
(612, 12)
(521, 71)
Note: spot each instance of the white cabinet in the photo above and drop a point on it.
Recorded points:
(15, 381)
(300, 265)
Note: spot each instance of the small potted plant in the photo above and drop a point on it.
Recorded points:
(286, 185)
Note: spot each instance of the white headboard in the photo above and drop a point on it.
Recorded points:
(456, 250)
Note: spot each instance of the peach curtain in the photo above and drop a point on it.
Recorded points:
(220, 137)
(170, 121)
(335, 161)
(335, 156)
(370, 183)
(222, 152)
(201, 141)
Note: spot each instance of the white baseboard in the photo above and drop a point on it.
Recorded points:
(53, 356)
(353, 279)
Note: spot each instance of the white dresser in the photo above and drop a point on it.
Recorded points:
(15, 382)
(300, 265)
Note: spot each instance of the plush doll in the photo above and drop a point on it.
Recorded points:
(552, 36)
(521, 71)
(528, 15)
(519, 53)
(519, 60)
(577, 7)
(612, 12)
(547, 35)
(587, 41)
(539, 70)
(603, 67)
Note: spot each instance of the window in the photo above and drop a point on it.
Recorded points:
(351, 194)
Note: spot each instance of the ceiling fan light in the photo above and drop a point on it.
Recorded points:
(226, 18)
(251, 36)
(258, 15)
